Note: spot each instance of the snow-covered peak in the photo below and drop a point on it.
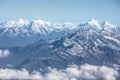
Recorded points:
(8, 24)
(94, 23)
(109, 27)
(69, 25)
(41, 22)
(21, 22)
(106, 23)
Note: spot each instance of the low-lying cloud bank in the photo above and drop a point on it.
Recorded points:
(73, 72)
(4, 53)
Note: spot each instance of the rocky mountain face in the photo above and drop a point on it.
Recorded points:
(77, 48)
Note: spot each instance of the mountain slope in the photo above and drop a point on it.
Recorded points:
(82, 46)
(79, 48)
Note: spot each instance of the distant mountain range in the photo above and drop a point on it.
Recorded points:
(23, 32)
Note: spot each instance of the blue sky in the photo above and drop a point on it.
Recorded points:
(60, 11)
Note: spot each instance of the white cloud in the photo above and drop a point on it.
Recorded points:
(4, 53)
(74, 72)
(18, 74)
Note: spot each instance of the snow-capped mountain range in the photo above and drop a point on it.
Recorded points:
(23, 32)
(60, 45)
